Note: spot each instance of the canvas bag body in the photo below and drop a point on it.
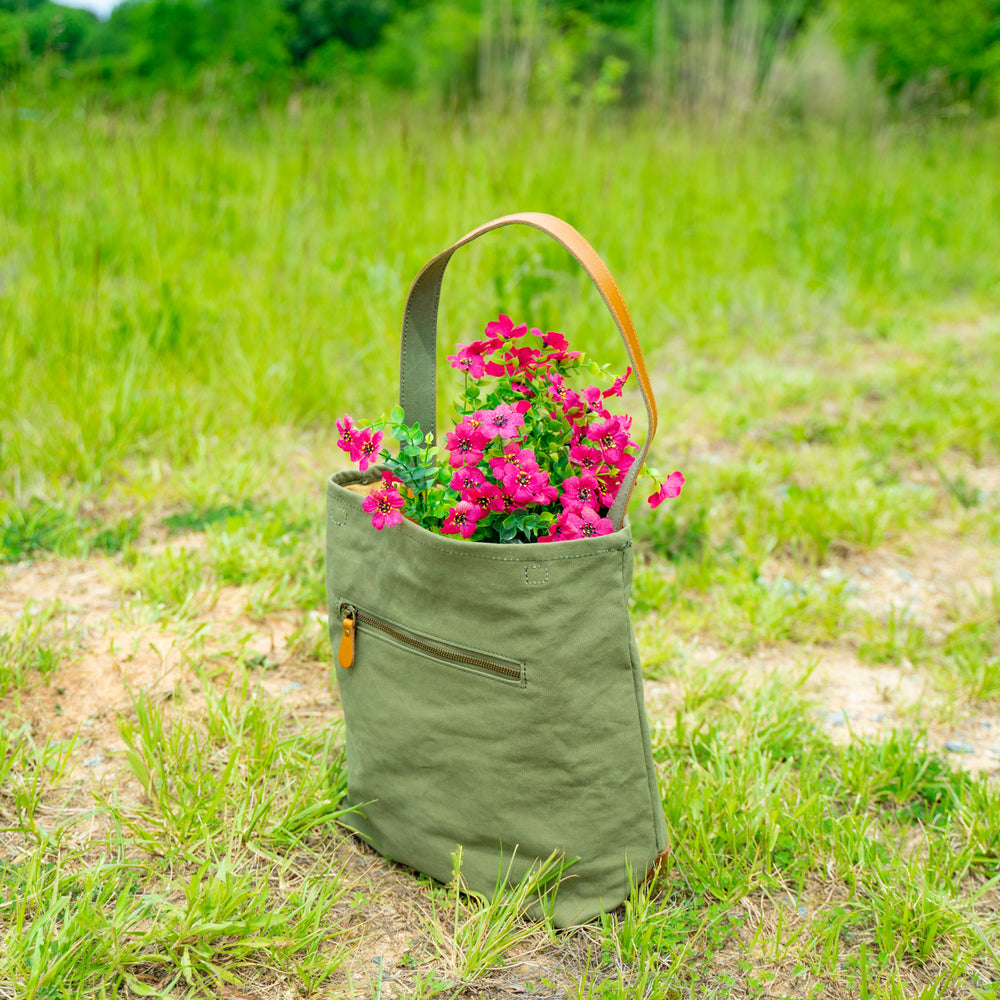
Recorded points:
(495, 702)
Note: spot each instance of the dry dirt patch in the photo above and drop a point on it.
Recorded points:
(112, 660)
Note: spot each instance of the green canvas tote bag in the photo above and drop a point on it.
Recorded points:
(492, 694)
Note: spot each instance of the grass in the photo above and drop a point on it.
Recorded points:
(30, 651)
(204, 255)
(41, 526)
(181, 324)
(274, 548)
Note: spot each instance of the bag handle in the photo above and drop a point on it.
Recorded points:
(418, 353)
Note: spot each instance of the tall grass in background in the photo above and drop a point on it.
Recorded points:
(179, 281)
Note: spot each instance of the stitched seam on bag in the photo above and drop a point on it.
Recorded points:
(651, 785)
(479, 555)
(536, 583)
(334, 504)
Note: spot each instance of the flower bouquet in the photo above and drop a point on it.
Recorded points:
(535, 455)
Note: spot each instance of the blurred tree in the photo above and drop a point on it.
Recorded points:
(433, 49)
(253, 34)
(617, 13)
(605, 51)
(47, 27)
(13, 46)
(169, 37)
(358, 24)
(916, 40)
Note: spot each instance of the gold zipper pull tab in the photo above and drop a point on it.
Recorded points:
(345, 655)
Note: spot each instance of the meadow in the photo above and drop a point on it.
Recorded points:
(189, 297)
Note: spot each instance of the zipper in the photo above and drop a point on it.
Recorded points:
(353, 617)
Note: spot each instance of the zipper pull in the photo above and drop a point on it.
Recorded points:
(345, 655)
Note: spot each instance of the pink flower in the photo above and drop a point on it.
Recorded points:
(610, 437)
(625, 462)
(526, 485)
(547, 494)
(465, 445)
(562, 531)
(575, 409)
(513, 457)
(471, 357)
(477, 422)
(384, 506)
(616, 388)
(496, 370)
(588, 523)
(557, 388)
(557, 343)
(466, 478)
(502, 421)
(360, 444)
(504, 329)
(609, 483)
(461, 519)
(582, 523)
(345, 425)
(507, 497)
(525, 359)
(368, 445)
(586, 457)
(581, 491)
(671, 488)
(486, 497)
(595, 401)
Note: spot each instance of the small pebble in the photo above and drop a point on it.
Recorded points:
(837, 718)
(959, 746)
(866, 571)
(291, 686)
(93, 762)
(905, 575)
(802, 912)
(986, 725)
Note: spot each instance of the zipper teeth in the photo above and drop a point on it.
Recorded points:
(447, 654)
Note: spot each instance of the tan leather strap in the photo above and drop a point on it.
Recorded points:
(418, 355)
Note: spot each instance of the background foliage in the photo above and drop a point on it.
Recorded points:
(517, 51)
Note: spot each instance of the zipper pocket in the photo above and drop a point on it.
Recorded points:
(352, 618)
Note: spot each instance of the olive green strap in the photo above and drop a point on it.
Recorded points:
(418, 356)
